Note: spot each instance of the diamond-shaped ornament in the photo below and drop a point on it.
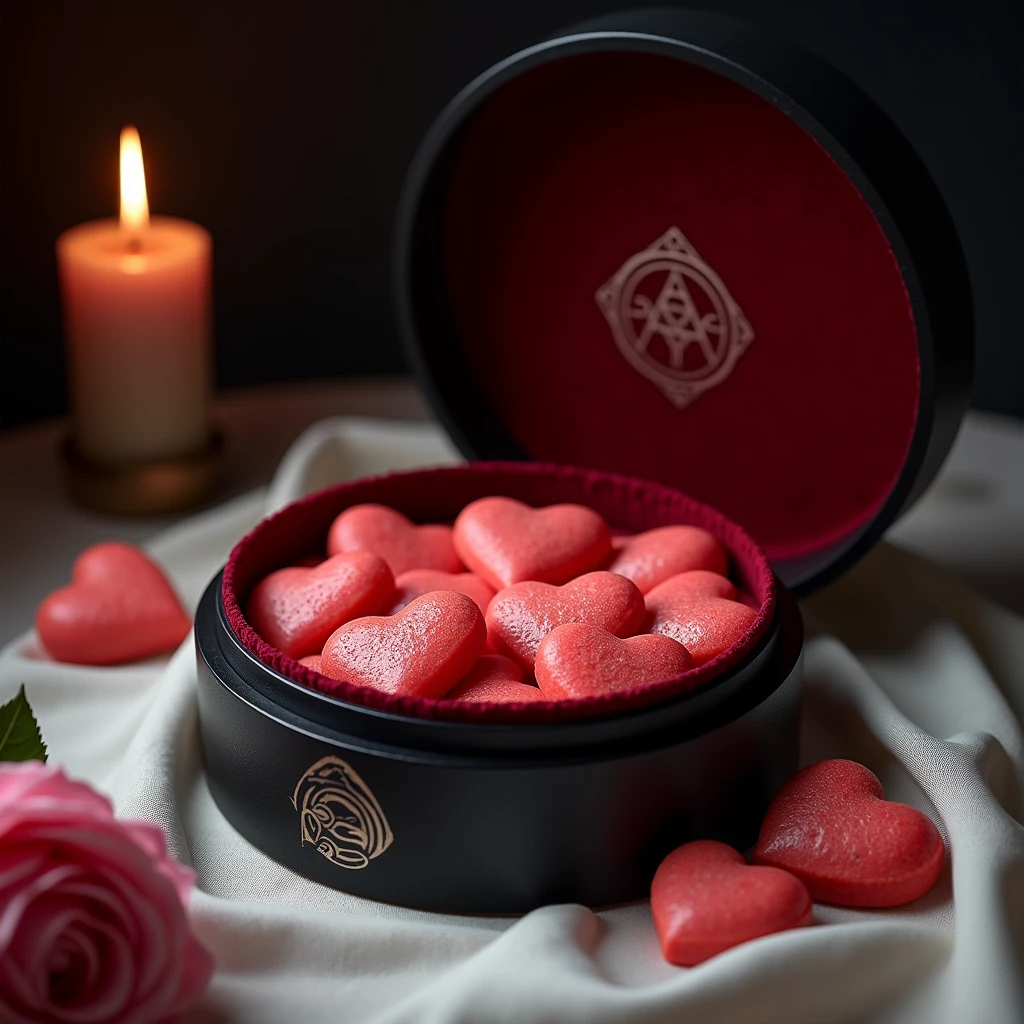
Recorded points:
(674, 320)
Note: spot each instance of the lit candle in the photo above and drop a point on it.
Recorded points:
(136, 301)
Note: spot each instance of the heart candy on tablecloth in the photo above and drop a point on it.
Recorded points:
(706, 899)
(118, 608)
(395, 538)
(831, 826)
(507, 542)
(686, 610)
(497, 680)
(652, 557)
(423, 650)
(579, 660)
(520, 616)
(297, 609)
(418, 582)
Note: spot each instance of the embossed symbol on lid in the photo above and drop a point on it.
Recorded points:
(674, 320)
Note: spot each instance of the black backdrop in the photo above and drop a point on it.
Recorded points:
(285, 127)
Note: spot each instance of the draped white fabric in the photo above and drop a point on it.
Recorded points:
(908, 671)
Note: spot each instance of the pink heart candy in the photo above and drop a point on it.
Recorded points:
(418, 582)
(422, 651)
(651, 558)
(579, 660)
(697, 584)
(118, 608)
(497, 680)
(706, 899)
(296, 609)
(393, 537)
(507, 542)
(831, 826)
(705, 625)
(521, 616)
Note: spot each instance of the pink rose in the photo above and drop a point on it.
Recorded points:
(92, 910)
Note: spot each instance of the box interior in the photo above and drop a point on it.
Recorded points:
(437, 495)
(574, 166)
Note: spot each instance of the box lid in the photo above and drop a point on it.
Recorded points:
(673, 246)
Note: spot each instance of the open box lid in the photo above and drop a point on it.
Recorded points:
(670, 245)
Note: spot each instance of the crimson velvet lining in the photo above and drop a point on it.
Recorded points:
(575, 166)
(437, 495)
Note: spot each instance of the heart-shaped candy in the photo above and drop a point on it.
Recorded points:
(831, 827)
(652, 557)
(418, 582)
(521, 616)
(423, 651)
(506, 542)
(495, 679)
(393, 537)
(296, 609)
(580, 660)
(687, 610)
(118, 608)
(705, 899)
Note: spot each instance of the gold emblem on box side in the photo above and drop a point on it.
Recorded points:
(674, 320)
(340, 816)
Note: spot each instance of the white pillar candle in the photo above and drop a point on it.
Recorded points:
(137, 322)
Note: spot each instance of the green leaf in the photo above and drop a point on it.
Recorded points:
(20, 739)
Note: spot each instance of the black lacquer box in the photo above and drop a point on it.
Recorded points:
(697, 261)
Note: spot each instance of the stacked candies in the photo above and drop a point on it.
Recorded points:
(511, 604)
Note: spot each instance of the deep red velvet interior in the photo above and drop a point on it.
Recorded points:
(579, 164)
(437, 495)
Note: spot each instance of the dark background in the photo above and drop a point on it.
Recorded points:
(285, 127)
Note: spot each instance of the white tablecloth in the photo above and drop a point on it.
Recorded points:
(908, 671)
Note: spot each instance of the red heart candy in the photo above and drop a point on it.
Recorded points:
(506, 542)
(698, 583)
(580, 660)
(651, 558)
(686, 610)
(521, 616)
(118, 608)
(495, 679)
(418, 582)
(831, 827)
(705, 899)
(393, 537)
(424, 650)
(296, 609)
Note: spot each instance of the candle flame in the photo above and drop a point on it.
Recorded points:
(134, 204)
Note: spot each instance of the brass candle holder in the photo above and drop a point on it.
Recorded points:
(145, 488)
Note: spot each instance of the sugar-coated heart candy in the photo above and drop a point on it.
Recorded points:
(698, 584)
(506, 542)
(687, 611)
(521, 616)
(580, 660)
(118, 608)
(497, 680)
(706, 899)
(313, 661)
(652, 557)
(423, 651)
(831, 827)
(418, 582)
(393, 537)
(296, 609)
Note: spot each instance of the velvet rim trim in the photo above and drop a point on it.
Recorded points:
(437, 495)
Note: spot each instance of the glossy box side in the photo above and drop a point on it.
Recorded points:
(486, 832)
